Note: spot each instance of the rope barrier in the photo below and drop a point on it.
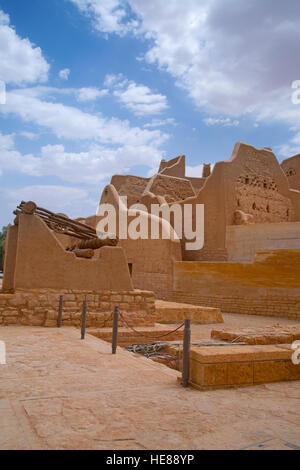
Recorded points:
(149, 336)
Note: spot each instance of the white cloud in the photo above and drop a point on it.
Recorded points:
(113, 79)
(96, 164)
(196, 171)
(91, 94)
(11, 159)
(139, 99)
(224, 75)
(71, 123)
(92, 166)
(160, 122)
(282, 110)
(52, 93)
(64, 74)
(29, 135)
(56, 196)
(20, 60)
(112, 145)
(108, 16)
(224, 122)
(71, 200)
(233, 58)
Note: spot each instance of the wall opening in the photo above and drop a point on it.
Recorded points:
(130, 268)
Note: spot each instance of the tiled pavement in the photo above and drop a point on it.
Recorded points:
(58, 392)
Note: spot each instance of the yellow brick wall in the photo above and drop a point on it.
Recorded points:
(268, 286)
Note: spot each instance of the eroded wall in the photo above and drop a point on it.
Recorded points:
(291, 168)
(256, 185)
(42, 262)
(174, 167)
(130, 186)
(170, 188)
(243, 241)
(251, 182)
(150, 261)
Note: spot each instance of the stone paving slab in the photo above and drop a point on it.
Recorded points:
(274, 334)
(58, 392)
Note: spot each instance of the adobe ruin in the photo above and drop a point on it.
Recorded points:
(251, 242)
(249, 264)
(252, 224)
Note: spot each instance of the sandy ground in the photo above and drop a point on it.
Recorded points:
(58, 392)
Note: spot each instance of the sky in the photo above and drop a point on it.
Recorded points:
(99, 87)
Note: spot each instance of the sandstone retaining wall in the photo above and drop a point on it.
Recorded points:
(39, 307)
(268, 286)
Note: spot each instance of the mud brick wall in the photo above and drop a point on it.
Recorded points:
(159, 283)
(268, 286)
(40, 307)
(263, 305)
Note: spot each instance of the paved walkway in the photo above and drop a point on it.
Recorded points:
(58, 392)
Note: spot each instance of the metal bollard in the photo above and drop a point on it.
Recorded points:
(83, 319)
(60, 311)
(115, 330)
(186, 353)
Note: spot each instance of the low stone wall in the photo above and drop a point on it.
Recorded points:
(39, 307)
(237, 366)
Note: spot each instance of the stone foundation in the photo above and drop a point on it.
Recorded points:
(39, 307)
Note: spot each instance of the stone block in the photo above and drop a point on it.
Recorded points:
(18, 300)
(69, 297)
(214, 374)
(10, 313)
(50, 324)
(240, 373)
(275, 371)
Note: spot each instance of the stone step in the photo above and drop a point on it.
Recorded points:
(236, 366)
(173, 312)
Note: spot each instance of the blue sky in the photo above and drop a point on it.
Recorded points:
(98, 87)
